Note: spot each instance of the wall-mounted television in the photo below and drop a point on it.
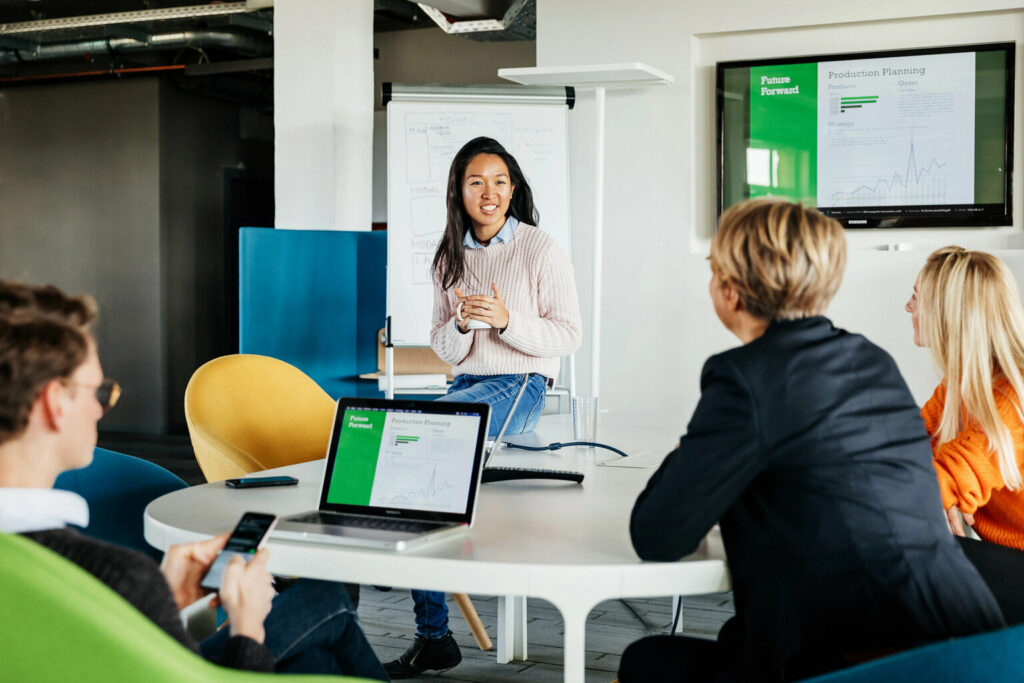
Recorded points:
(900, 139)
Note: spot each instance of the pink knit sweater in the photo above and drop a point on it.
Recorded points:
(536, 280)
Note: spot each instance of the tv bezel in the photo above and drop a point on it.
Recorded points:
(890, 222)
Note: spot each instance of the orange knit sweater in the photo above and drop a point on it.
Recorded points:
(968, 470)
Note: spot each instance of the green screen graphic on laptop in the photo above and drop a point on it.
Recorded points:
(404, 459)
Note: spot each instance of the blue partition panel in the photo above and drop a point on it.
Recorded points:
(314, 298)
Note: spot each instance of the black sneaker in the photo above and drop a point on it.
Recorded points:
(426, 654)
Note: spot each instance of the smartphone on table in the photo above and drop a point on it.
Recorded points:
(248, 537)
(259, 482)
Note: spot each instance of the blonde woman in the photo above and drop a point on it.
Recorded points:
(966, 309)
(808, 448)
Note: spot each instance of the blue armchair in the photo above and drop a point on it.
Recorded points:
(118, 488)
(993, 656)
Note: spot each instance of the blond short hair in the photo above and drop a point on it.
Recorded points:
(972, 320)
(785, 260)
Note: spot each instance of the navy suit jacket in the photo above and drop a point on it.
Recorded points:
(809, 449)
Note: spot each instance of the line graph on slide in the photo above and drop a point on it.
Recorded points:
(894, 166)
(433, 495)
(916, 182)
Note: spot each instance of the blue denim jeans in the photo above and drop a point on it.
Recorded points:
(500, 392)
(313, 628)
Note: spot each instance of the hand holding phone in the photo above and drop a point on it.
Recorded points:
(248, 537)
(185, 564)
(247, 594)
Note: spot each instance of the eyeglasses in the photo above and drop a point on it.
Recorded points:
(107, 392)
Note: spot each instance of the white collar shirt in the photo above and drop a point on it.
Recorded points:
(23, 510)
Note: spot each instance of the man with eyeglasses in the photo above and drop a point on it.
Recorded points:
(52, 394)
(107, 392)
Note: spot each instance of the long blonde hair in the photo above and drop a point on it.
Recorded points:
(970, 316)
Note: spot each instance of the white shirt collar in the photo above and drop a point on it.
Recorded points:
(23, 510)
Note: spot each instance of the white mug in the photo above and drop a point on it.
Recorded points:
(472, 324)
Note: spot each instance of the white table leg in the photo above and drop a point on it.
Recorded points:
(575, 618)
(511, 628)
(519, 638)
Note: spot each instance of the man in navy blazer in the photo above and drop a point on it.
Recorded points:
(809, 450)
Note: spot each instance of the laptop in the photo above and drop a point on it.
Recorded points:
(399, 474)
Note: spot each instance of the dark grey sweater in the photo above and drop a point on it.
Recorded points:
(139, 580)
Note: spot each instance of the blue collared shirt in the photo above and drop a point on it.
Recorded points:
(504, 235)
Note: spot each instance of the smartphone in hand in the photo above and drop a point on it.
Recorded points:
(248, 537)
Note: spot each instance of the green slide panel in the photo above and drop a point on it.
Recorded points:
(782, 159)
(352, 477)
(989, 122)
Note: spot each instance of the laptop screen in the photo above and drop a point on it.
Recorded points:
(418, 459)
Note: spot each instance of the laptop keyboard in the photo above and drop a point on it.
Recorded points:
(402, 525)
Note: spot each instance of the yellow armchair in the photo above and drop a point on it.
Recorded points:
(247, 413)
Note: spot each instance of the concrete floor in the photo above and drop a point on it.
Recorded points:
(387, 619)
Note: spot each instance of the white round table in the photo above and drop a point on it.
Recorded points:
(565, 543)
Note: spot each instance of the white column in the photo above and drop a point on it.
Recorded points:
(323, 114)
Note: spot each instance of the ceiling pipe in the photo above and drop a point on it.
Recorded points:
(244, 42)
(133, 71)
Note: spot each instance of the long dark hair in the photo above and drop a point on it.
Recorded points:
(450, 257)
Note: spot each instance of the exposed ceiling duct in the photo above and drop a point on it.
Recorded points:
(233, 39)
(222, 50)
(518, 22)
(236, 40)
(133, 17)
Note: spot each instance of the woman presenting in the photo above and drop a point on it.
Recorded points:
(495, 270)
(505, 312)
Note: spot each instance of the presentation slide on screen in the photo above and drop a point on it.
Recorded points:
(891, 131)
(869, 137)
(406, 460)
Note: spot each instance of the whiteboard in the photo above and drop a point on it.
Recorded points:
(423, 138)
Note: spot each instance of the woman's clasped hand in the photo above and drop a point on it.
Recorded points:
(488, 309)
